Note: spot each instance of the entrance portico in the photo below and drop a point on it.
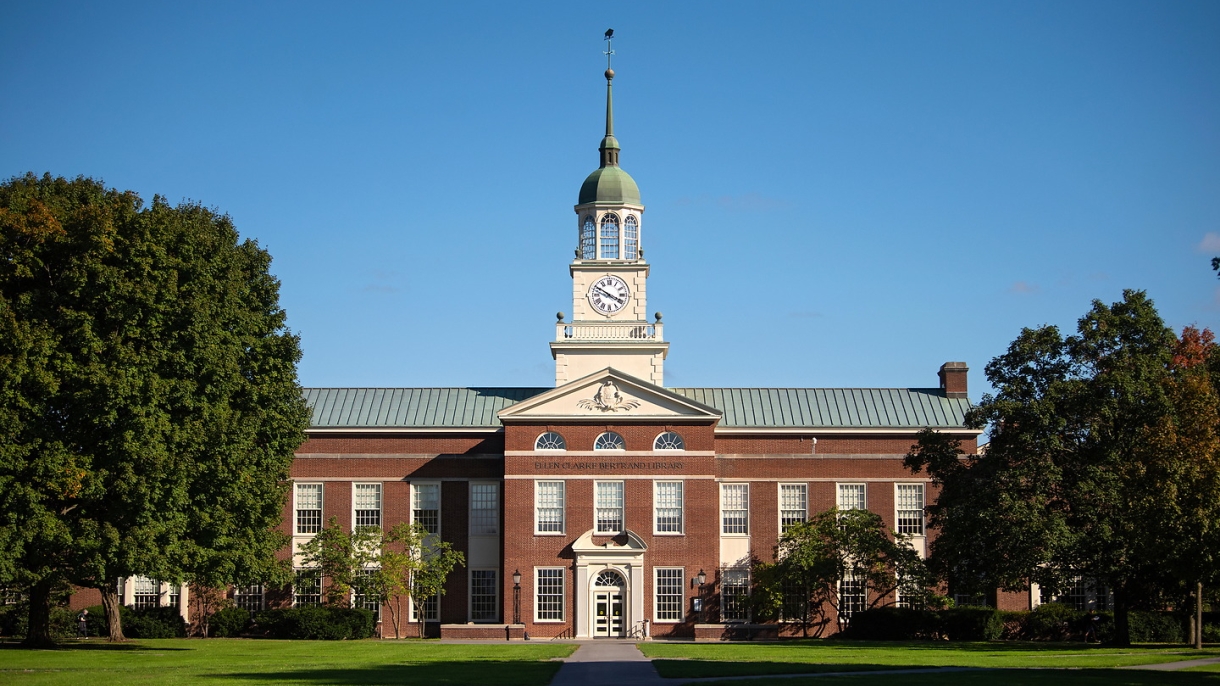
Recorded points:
(609, 585)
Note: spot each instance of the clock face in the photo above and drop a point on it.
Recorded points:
(609, 294)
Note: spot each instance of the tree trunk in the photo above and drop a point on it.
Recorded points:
(396, 615)
(1199, 616)
(1122, 625)
(111, 602)
(38, 634)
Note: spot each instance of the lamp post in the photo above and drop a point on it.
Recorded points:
(702, 579)
(516, 597)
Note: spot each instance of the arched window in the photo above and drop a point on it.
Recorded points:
(631, 238)
(669, 441)
(550, 441)
(588, 239)
(609, 441)
(609, 236)
(608, 578)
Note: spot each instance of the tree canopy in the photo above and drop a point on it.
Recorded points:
(1102, 463)
(149, 407)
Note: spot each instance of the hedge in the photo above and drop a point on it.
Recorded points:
(321, 622)
(228, 622)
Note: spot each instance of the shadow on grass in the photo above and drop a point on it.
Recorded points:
(1003, 677)
(101, 644)
(490, 672)
(695, 669)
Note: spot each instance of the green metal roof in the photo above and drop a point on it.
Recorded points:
(609, 184)
(743, 408)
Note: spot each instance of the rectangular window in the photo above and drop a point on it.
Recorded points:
(548, 507)
(307, 588)
(367, 500)
(430, 606)
(309, 508)
(249, 598)
(483, 595)
(609, 507)
(175, 595)
(795, 602)
(851, 497)
(670, 584)
(735, 508)
(908, 595)
(147, 592)
(908, 500)
(426, 506)
(9, 596)
(667, 507)
(548, 594)
(853, 596)
(735, 595)
(365, 597)
(793, 505)
(484, 509)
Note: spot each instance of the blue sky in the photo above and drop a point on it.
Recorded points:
(838, 194)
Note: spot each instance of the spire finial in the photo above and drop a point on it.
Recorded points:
(609, 148)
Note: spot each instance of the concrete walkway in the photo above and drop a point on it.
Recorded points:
(1175, 666)
(608, 663)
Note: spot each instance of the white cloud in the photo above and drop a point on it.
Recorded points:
(1210, 243)
(1024, 287)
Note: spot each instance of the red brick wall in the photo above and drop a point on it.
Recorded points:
(636, 436)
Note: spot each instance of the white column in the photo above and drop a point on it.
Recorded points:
(582, 601)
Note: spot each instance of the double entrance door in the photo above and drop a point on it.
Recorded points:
(607, 614)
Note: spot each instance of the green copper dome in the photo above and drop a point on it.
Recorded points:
(611, 185)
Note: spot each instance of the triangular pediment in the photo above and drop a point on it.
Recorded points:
(608, 395)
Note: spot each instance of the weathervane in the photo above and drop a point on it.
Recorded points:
(609, 51)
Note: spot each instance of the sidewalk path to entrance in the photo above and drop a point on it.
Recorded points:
(607, 663)
(1175, 666)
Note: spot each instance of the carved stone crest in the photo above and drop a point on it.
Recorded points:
(609, 399)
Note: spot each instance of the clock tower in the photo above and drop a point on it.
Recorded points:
(609, 326)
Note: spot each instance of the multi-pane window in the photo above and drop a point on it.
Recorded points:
(483, 595)
(735, 595)
(669, 440)
(309, 508)
(1077, 594)
(429, 606)
(669, 588)
(548, 507)
(147, 592)
(426, 506)
(793, 505)
(550, 441)
(853, 596)
(908, 594)
(368, 505)
(667, 506)
(609, 441)
(609, 506)
(609, 236)
(548, 594)
(631, 238)
(174, 592)
(851, 496)
(249, 598)
(795, 602)
(307, 588)
(363, 595)
(908, 499)
(588, 239)
(484, 509)
(9, 596)
(735, 508)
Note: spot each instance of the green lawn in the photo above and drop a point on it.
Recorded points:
(237, 661)
(787, 657)
(1005, 677)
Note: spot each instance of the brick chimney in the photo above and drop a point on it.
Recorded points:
(953, 379)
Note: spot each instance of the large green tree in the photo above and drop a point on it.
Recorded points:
(1102, 452)
(149, 407)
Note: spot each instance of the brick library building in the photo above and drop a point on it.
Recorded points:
(608, 505)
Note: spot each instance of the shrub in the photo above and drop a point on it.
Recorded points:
(1053, 622)
(13, 619)
(153, 622)
(971, 623)
(892, 624)
(228, 622)
(326, 623)
(1211, 633)
(1156, 627)
(1013, 624)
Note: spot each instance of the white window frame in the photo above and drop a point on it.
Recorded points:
(657, 440)
(416, 607)
(550, 433)
(252, 595)
(296, 521)
(495, 528)
(321, 586)
(923, 518)
(380, 502)
(563, 595)
(780, 497)
(656, 509)
(743, 573)
(724, 487)
(839, 495)
(563, 507)
(845, 615)
(656, 596)
(439, 495)
(622, 508)
(495, 573)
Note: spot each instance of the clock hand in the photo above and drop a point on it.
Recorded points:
(606, 293)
